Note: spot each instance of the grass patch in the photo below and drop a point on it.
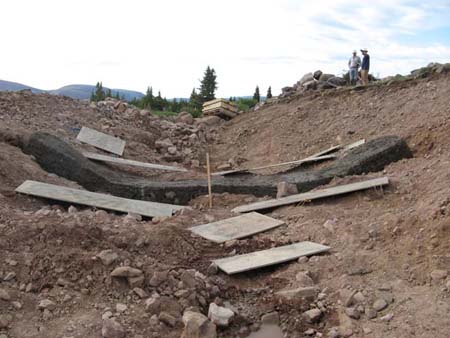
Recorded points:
(164, 113)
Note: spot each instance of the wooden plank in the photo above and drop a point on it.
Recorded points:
(305, 160)
(325, 152)
(354, 145)
(309, 196)
(218, 105)
(102, 141)
(236, 227)
(103, 201)
(210, 102)
(104, 158)
(260, 259)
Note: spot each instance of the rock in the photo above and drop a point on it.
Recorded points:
(4, 295)
(306, 78)
(185, 117)
(153, 305)
(188, 279)
(121, 307)
(325, 77)
(108, 257)
(387, 318)
(219, 315)
(271, 318)
(352, 312)
(197, 325)
(310, 85)
(303, 260)
(317, 74)
(140, 292)
(208, 120)
(329, 225)
(72, 210)
(337, 81)
(312, 316)
(304, 279)
(136, 281)
(310, 332)
(379, 305)
(285, 189)
(158, 278)
(167, 319)
(304, 292)
(333, 333)
(438, 275)
(126, 271)
(212, 269)
(5, 320)
(112, 329)
(358, 298)
(370, 313)
(46, 304)
(9, 276)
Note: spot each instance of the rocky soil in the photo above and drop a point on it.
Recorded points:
(70, 271)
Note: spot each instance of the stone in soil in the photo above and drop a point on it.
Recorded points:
(112, 329)
(219, 315)
(108, 257)
(46, 304)
(312, 316)
(303, 278)
(299, 293)
(438, 275)
(380, 304)
(271, 318)
(4, 295)
(352, 313)
(167, 319)
(126, 271)
(196, 325)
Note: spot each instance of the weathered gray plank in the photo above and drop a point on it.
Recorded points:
(305, 160)
(325, 152)
(354, 144)
(236, 227)
(103, 201)
(259, 259)
(102, 141)
(333, 191)
(104, 158)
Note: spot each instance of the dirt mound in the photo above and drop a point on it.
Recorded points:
(385, 276)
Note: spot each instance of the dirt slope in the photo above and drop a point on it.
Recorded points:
(392, 244)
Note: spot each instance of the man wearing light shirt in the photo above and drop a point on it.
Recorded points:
(353, 66)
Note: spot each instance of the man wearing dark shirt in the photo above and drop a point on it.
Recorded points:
(365, 67)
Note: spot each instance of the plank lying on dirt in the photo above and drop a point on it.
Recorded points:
(332, 149)
(236, 227)
(103, 201)
(259, 259)
(104, 158)
(102, 141)
(305, 160)
(308, 196)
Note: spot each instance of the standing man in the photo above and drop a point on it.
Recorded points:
(353, 66)
(365, 67)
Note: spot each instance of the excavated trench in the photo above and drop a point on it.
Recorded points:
(59, 157)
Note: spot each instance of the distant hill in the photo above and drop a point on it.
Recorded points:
(76, 91)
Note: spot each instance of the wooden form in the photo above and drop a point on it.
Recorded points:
(102, 141)
(236, 227)
(103, 201)
(309, 196)
(354, 145)
(297, 162)
(260, 259)
(104, 158)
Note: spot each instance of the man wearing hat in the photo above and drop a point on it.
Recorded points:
(365, 67)
(353, 66)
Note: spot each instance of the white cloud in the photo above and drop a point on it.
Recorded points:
(168, 44)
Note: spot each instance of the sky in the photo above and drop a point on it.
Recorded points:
(168, 44)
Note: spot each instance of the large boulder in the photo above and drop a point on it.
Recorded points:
(306, 78)
(337, 81)
(196, 325)
(325, 77)
(317, 74)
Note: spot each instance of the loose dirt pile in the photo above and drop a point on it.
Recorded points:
(386, 275)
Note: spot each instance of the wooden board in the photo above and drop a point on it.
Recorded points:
(103, 201)
(260, 259)
(297, 162)
(210, 102)
(218, 105)
(102, 141)
(325, 152)
(308, 196)
(104, 158)
(236, 227)
(354, 145)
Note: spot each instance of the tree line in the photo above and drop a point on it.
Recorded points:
(206, 92)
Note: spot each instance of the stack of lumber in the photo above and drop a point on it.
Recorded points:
(221, 108)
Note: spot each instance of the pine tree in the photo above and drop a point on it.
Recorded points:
(99, 92)
(195, 104)
(256, 96)
(147, 100)
(208, 85)
(269, 93)
(109, 93)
